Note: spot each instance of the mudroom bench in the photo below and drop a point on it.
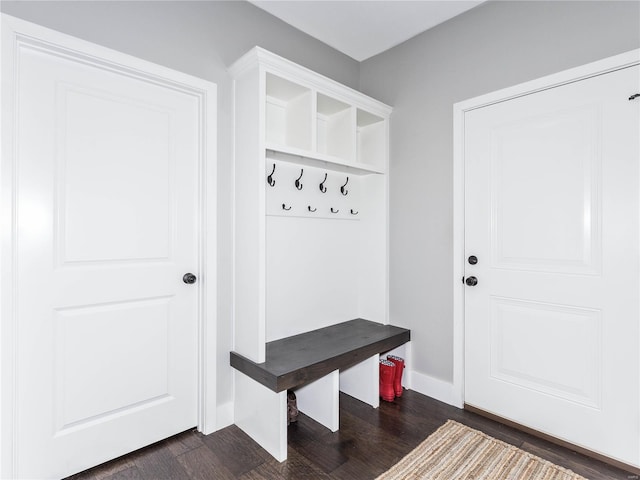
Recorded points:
(317, 365)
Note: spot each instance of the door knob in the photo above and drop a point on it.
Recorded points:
(471, 281)
(189, 278)
(473, 260)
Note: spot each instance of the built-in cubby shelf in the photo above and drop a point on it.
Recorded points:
(288, 109)
(371, 140)
(315, 124)
(335, 128)
(310, 252)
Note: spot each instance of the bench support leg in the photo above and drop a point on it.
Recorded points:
(361, 381)
(320, 400)
(262, 414)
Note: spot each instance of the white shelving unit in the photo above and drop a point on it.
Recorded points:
(313, 253)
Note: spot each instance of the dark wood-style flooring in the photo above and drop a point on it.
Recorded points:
(368, 443)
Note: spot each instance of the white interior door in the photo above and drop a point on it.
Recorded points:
(106, 206)
(551, 213)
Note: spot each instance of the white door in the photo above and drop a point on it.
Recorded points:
(106, 197)
(551, 213)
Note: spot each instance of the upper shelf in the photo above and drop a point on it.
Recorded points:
(312, 159)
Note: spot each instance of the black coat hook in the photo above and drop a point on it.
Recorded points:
(270, 179)
(334, 211)
(343, 190)
(298, 183)
(311, 209)
(323, 189)
(284, 207)
(353, 213)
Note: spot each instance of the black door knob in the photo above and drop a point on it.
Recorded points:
(189, 278)
(473, 260)
(471, 281)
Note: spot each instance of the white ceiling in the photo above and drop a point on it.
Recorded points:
(362, 29)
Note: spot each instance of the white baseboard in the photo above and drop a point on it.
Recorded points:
(223, 418)
(224, 415)
(434, 388)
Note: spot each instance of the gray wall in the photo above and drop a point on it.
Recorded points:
(202, 39)
(495, 45)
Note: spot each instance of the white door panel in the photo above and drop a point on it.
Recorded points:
(107, 217)
(551, 212)
(93, 224)
(546, 150)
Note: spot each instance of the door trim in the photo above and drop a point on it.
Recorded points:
(610, 64)
(17, 34)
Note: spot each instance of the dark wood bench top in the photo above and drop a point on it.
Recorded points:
(294, 361)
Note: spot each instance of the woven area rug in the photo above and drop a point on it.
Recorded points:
(457, 452)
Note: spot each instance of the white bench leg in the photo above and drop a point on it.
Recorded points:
(262, 414)
(320, 400)
(361, 381)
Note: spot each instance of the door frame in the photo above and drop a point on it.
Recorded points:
(609, 64)
(17, 34)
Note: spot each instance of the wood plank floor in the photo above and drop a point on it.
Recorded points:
(368, 443)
